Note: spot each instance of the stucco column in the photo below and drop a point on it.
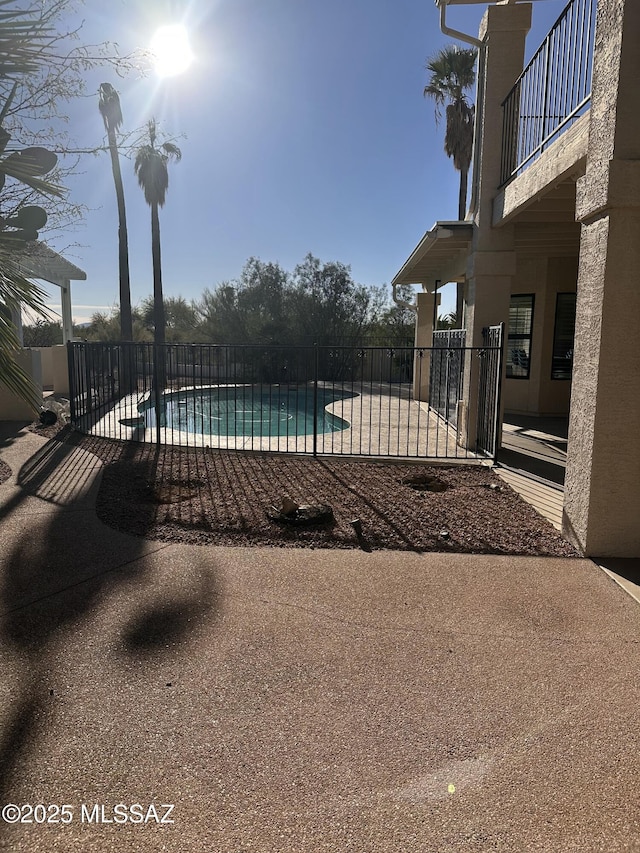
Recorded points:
(492, 262)
(488, 297)
(67, 318)
(503, 32)
(426, 302)
(60, 367)
(602, 486)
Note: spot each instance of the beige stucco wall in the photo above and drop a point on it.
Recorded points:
(492, 262)
(602, 485)
(55, 369)
(544, 277)
(46, 363)
(12, 408)
(426, 303)
(60, 366)
(565, 157)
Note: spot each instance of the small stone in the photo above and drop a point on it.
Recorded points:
(444, 534)
(289, 507)
(302, 514)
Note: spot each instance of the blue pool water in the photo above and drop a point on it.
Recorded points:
(248, 411)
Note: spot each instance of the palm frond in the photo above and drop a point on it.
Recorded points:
(172, 151)
(23, 40)
(452, 72)
(109, 106)
(24, 49)
(150, 166)
(458, 138)
(16, 290)
(26, 165)
(11, 374)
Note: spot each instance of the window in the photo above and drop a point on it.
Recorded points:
(519, 339)
(563, 332)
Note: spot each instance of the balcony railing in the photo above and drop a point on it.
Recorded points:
(553, 90)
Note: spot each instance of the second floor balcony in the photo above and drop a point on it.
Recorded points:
(553, 91)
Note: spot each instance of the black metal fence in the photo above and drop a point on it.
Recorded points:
(349, 400)
(447, 373)
(553, 90)
(490, 360)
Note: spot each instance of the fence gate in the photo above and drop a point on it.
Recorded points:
(489, 388)
(447, 373)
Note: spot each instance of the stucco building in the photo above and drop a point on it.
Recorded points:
(550, 245)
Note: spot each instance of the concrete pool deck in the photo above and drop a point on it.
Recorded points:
(290, 701)
(383, 421)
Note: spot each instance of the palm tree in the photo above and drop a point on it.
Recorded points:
(109, 106)
(452, 72)
(151, 168)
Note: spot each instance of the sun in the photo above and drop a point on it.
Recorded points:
(171, 49)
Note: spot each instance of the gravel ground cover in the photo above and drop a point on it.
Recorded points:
(5, 471)
(200, 496)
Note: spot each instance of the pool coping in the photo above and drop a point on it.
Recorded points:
(407, 429)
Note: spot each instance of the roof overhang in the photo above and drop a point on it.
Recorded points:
(441, 256)
(39, 261)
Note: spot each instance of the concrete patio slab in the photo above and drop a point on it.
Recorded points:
(299, 700)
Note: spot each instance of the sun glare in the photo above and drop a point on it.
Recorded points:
(171, 49)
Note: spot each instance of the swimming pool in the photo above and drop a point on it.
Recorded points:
(248, 411)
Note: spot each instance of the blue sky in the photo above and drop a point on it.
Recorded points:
(303, 129)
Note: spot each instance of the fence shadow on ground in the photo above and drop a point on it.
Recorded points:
(60, 568)
(203, 496)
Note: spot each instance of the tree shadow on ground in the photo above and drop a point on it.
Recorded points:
(161, 625)
(9, 431)
(62, 566)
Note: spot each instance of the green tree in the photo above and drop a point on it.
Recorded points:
(452, 72)
(319, 303)
(105, 327)
(396, 323)
(182, 320)
(109, 106)
(326, 305)
(448, 321)
(43, 333)
(150, 166)
(220, 316)
(252, 309)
